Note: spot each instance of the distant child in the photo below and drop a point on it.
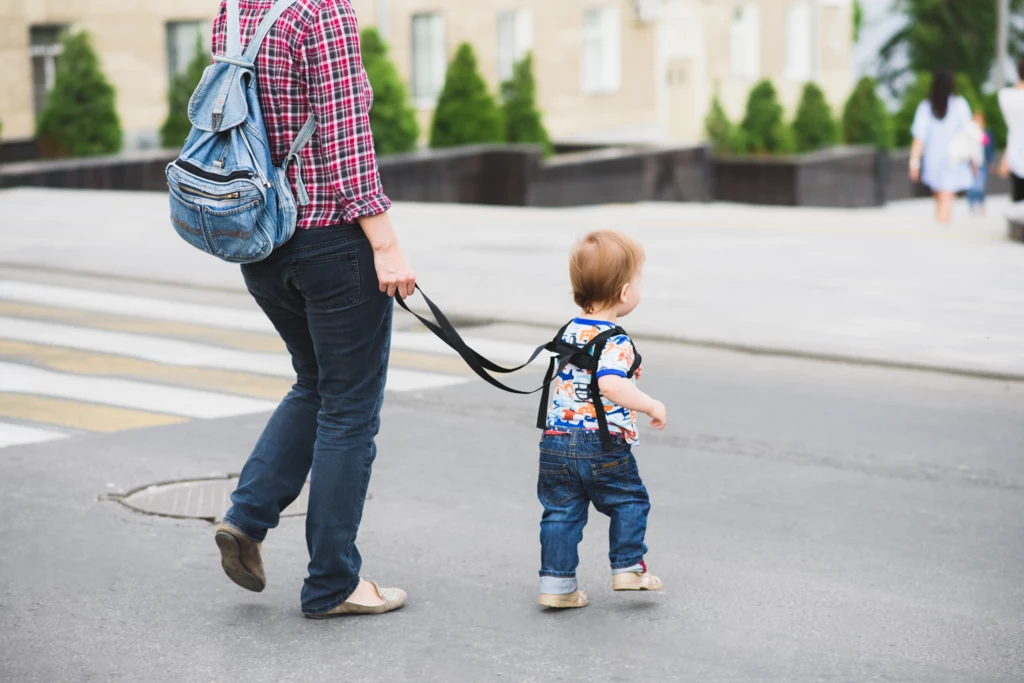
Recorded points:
(982, 162)
(575, 467)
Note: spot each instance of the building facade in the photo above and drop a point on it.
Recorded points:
(607, 70)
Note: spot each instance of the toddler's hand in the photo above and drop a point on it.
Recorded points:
(658, 415)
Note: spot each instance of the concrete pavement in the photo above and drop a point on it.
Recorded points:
(883, 285)
(812, 522)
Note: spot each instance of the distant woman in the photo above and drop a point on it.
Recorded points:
(939, 121)
(1011, 101)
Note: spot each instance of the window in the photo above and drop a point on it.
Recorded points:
(45, 48)
(799, 41)
(745, 42)
(515, 40)
(602, 53)
(183, 37)
(429, 58)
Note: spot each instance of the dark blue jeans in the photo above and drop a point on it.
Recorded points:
(574, 471)
(320, 291)
(976, 195)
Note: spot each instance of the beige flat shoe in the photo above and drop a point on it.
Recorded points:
(240, 557)
(394, 598)
(635, 581)
(576, 599)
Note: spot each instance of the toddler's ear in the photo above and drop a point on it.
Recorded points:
(624, 293)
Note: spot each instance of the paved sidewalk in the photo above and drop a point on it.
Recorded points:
(880, 285)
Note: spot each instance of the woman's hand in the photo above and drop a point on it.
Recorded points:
(1004, 166)
(394, 272)
(915, 174)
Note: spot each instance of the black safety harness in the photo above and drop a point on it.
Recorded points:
(585, 356)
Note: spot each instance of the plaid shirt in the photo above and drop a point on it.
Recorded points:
(310, 63)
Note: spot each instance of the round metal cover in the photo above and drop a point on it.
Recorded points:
(206, 499)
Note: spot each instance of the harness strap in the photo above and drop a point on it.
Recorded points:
(563, 354)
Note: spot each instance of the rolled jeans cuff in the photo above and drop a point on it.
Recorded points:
(626, 570)
(558, 585)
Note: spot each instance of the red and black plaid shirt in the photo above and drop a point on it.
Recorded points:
(310, 63)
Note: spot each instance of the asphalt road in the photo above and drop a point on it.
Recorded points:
(811, 522)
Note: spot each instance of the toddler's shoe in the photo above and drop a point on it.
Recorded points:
(575, 599)
(636, 581)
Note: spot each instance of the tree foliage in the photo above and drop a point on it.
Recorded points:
(392, 119)
(80, 116)
(523, 122)
(177, 125)
(466, 113)
(945, 34)
(814, 126)
(866, 121)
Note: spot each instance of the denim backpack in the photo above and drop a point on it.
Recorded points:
(227, 197)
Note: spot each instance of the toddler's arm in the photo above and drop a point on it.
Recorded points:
(621, 391)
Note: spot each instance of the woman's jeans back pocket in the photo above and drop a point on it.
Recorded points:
(328, 283)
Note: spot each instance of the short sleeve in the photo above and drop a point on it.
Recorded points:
(617, 357)
(922, 121)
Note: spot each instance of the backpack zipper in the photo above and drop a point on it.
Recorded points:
(207, 195)
(213, 177)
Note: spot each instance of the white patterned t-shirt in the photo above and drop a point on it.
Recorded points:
(571, 406)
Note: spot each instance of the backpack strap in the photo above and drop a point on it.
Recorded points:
(234, 30)
(294, 156)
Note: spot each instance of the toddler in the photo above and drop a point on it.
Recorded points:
(577, 466)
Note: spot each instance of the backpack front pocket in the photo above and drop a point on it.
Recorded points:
(188, 222)
(235, 233)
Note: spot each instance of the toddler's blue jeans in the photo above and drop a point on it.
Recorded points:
(575, 471)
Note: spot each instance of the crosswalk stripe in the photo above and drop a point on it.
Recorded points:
(218, 336)
(189, 354)
(20, 435)
(226, 317)
(79, 362)
(78, 415)
(127, 394)
(143, 307)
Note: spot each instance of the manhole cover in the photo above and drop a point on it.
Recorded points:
(205, 499)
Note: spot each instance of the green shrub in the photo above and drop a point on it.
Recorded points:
(177, 125)
(814, 126)
(866, 121)
(523, 121)
(392, 119)
(918, 91)
(994, 120)
(719, 129)
(466, 113)
(764, 130)
(80, 116)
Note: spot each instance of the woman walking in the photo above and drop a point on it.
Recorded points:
(328, 293)
(938, 123)
(1011, 101)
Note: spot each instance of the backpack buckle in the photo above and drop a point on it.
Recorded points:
(216, 119)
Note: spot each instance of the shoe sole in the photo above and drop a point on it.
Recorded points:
(231, 561)
(557, 604)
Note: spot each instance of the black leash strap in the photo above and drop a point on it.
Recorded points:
(444, 330)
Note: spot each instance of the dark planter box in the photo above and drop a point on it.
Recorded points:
(838, 177)
(12, 151)
(481, 174)
(624, 175)
(133, 171)
(1016, 230)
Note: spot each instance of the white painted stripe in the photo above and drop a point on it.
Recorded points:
(189, 354)
(121, 304)
(20, 435)
(127, 394)
(225, 317)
